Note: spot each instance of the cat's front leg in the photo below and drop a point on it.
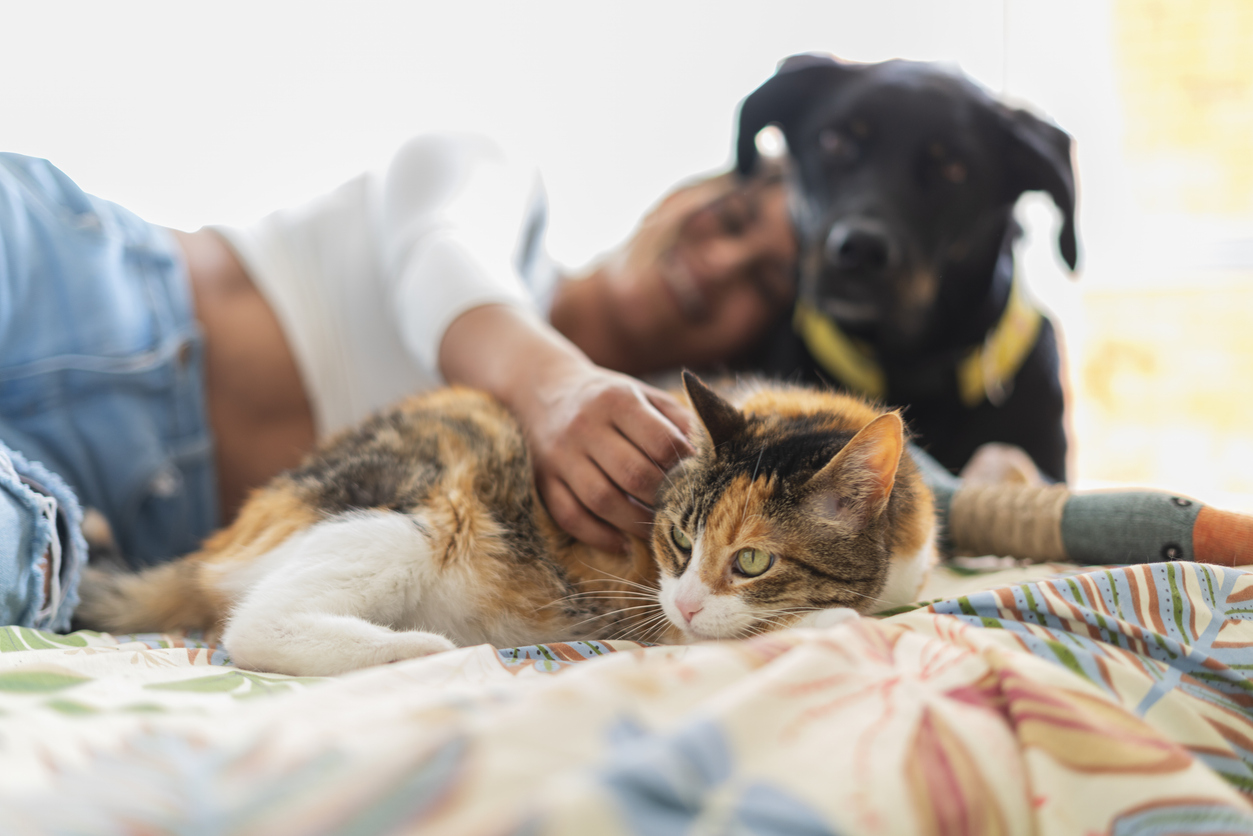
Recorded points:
(826, 618)
(327, 594)
(320, 644)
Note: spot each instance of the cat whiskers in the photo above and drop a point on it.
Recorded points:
(633, 588)
(769, 622)
(589, 599)
(881, 601)
(610, 577)
(632, 620)
(777, 618)
(652, 629)
(640, 627)
(643, 626)
(603, 594)
(615, 614)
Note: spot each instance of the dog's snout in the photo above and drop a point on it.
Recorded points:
(859, 247)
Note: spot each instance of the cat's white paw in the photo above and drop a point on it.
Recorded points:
(827, 618)
(412, 644)
(327, 649)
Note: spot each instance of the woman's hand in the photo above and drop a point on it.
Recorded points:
(601, 441)
(602, 444)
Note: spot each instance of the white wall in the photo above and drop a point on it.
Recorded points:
(195, 112)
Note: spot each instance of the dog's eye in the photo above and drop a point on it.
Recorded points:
(954, 172)
(836, 145)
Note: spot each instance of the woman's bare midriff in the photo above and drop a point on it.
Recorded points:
(258, 409)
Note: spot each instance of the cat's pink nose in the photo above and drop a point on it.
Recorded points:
(688, 609)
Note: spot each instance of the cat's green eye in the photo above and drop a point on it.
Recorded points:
(680, 539)
(752, 562)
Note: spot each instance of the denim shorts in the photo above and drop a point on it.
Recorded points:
(101, 360)
(40, 537)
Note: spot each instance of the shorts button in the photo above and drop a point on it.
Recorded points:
(166, 483)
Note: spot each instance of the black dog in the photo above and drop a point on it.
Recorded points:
(903, 178)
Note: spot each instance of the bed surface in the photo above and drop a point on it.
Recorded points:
(1055, 701)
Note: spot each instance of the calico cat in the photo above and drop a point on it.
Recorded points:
(421, 530)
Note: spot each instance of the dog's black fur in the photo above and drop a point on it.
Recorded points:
(903, 178)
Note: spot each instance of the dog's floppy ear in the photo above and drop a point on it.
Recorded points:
(780, 100)
(1039, 160)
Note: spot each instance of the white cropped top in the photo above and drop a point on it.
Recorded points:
(366, 279)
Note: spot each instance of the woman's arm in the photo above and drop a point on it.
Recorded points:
(601, 441)
(453, 212)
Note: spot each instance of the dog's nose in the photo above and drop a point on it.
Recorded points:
(858, 246)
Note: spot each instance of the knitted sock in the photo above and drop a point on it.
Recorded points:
(1095, 528)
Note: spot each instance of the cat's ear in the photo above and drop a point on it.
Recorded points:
(854, 487)
(721, 420)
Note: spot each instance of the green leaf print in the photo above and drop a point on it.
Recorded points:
(144, 708)
(38, 682)
(1067, 658)
(24, 638)
(240, 684)
(71, 708)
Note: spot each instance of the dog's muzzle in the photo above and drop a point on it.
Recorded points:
(857, 257)
(859, 248)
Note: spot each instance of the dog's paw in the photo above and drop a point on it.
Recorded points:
(996, 463)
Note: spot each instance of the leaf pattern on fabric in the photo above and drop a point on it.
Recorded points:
(1088, 734)
(39, 681)
(14, 639)
(1179, 632)
(239, 684)
(1059, 702)
(949, 793)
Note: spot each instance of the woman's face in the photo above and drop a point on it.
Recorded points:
(708, 271)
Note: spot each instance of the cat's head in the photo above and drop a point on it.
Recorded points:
(785, 509)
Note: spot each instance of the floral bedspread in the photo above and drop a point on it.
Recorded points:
(1056, 701)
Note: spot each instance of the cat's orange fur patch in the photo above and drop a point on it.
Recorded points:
(270, 516)
(736, 522)
(843, 412)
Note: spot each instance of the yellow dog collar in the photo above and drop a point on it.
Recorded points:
(985, 371)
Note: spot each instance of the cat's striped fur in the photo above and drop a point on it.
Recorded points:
(421, 529)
